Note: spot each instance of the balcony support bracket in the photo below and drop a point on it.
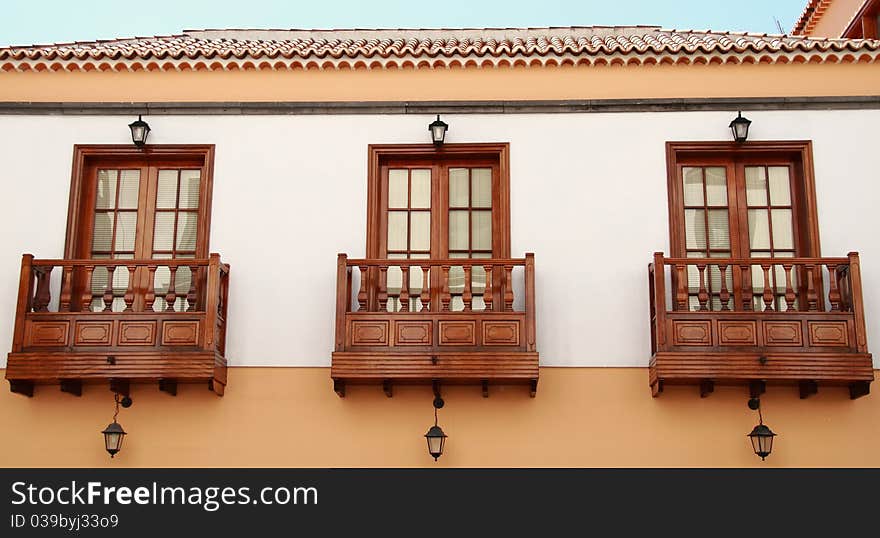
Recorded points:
(808, 388)
(120, 386)
(485, 384)
(707, 387)
(71, 386)
(386, 388)
(339, 387)
(169, 386)
(757, 388)
(859, 389)
(533, 387)
(22, 387)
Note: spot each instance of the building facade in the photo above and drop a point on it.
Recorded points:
(588, 269)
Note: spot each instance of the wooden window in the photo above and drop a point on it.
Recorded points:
(741, 201)
(438, 203)
(865, 23)
(128, 203)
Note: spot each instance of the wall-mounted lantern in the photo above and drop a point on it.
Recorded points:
(139, 132)
(113, 433)
(435, 436)
(438, 130)
(761, 436)
(740, 128)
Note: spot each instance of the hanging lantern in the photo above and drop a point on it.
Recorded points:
(139, 132)
(761, 436)
(740, 128)
(435, 436)
(113, 433)
(438, 130)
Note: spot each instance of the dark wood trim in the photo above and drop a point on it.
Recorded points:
(864, 24)
(428, 108)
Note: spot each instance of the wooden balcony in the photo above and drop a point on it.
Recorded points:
(107, 321)
(453, 321)
(754, 321)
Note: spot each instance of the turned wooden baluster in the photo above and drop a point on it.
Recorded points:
(150, 295)
(362, 292)
(383, 288)
(681, 291)
(86, 297)
(404, 288)
(192, 295)
(702, 293)
(812, 297)
(43, 295)
(790, 295)
(444, 291)
(487, 293)
(108, 289)
(768, 291)
(426, 290)
(466, 296)
(724, 293)
(129, 290)
(66, 289)
(747, 297)
(508, 288)
(171, 293)
(833, 289)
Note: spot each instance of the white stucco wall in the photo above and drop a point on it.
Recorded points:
(588, 196)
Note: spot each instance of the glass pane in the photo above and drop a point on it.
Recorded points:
(397, 228)
(103, 232)
(126, 227)
(481, 230)
(756, 185)
(166, 195)
(759, 229)
(695, 228)
(783, 237)
(187, 224)
(716, 186)
(719, 229)
(693, 185)
(189, 189)
(456, 279)
(458, 230)
(163, 231)
(105, 197)
(481, 187)
(129, 183)
(421, 189)
(397, 188)
(780, 186)
(458, 187)
(420, 230)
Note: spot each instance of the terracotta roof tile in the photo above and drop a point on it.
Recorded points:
(810, 17)
(484, 47)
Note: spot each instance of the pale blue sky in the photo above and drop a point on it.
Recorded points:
(52, 21)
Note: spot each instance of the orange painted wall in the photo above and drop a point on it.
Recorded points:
(447, 84)
(582, 417)
(836, 18)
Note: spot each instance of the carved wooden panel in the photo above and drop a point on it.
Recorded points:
(828, 333)
(783, 333)
(413, 333)
(500, 333)
(369, 333)
(692, 333)
(180, 333)
(458, 333)
(93, 333)
(137, 333)
(47, 333)
(737, 333)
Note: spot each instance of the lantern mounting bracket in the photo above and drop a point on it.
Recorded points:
(120, 386)
(757, 388)
(71, 386)
(707, 387)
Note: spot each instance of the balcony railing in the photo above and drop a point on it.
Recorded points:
(752, 321)
(122, 321)
(463, 321)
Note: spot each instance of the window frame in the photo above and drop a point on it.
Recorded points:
(798, 153)
(380, 155)
(85, 157)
